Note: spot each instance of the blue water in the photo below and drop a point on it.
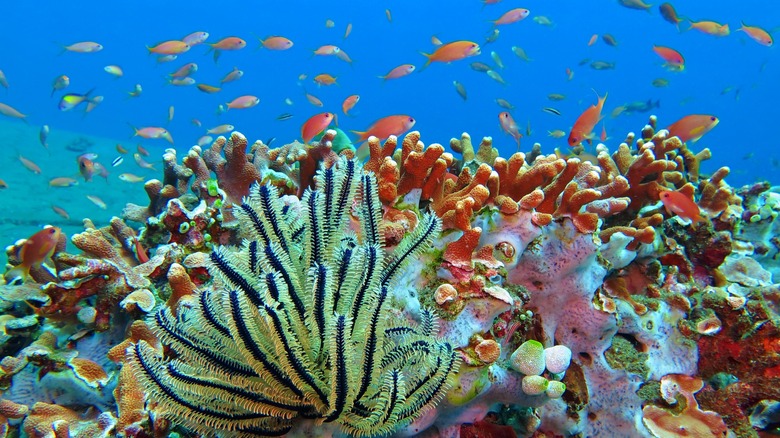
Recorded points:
(745, 139)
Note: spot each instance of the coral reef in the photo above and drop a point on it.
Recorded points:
(278, 295)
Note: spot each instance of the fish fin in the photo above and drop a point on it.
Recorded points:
(216, 55)
(135, 130)
(428, 62)
(17, 274)
(362, 152)
(361, 135)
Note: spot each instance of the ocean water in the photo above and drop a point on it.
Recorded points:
(731, 77)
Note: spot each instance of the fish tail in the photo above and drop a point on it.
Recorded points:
(428, 62)
(17, 274)
(135, 130)
(361, 135)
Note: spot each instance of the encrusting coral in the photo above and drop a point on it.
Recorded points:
(301, 324)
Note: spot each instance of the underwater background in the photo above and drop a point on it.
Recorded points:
(731, 77)
(580, 294)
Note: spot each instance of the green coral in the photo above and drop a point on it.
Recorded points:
(303, 325)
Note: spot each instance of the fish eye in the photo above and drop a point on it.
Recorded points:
(712, 119)
(52, 230)
(411, 119)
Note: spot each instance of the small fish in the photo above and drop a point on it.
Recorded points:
(315, 125)
(342, 55)
(583, 61)
(86, 165)
(196, 122)
(509, 126)
(453, 51)
(97, 201)
(221, 109)
(349, 103)
(313, 100)
(348, 30)
(398, 72)
(609, 40)
(29, 165)
(542, 20)
(660, 82)
(711, 28)
(512, 16)
(556, 133)
(60, 211)
(185, 70)
(583, 126)
(195, 38)
(669, 14)
(556, 97)
(60, 83)
(243, 102)
(480, 67)
(208, 88)
(166, 58)
(603, 136)
(114, 70)
(674, 59)
(285, 116)
(174, 47)
(325, 79)
(497, 59)
(495, 76)
(43, 136)
(141, 162)
(205, 140)
(327, 50)
(593, 39)
(62, 181)
(117, 161)
(35, 250)
(602, 65)
(10, 111)
(181, 82)
(758, 34)
(221, 129)
(234, 75)
(288, 101)
(83, 47)
(493, 37)
(635, 4)
(137, 90)
(692, 127)
(329, 23)
(141, 150)
(229, 43)
(121, 149)
(3, 80)
(503, 103)
(93, 103)
(3, 184)
(276, 43)
(171, 111)
(551, 110)
(388, 15)
(153, 132)
(520, 53)
(387, 126)
(569, 74)
(681, 205)
(460, 89)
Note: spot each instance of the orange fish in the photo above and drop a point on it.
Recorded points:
(681, 205)
(398, 72)
(229, 43)
(62, 181)
(583, 127)
(34, 251)
(327, 50)
(325, 79)
(692, 127)
(387, 126)
(593, 39)
(759, 35)
(512, 16)
(86, 166)
(169, 48)
(276, 43)
(453, 51)
(710, 27)
(153, 132)
(316, 124)
(185, 70)
(208, 88)
(349, 103)
(509, 126)
(674, 60)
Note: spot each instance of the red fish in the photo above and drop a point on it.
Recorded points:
(35, 250)
(681, 205)
(387, 126)
(583, 127)
(316, 124)
(692, 127)
(512, 16)
(86, 166)
(674, 60)
(453, 51)
(349, 103)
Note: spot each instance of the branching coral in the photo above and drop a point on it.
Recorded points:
(302, 327)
